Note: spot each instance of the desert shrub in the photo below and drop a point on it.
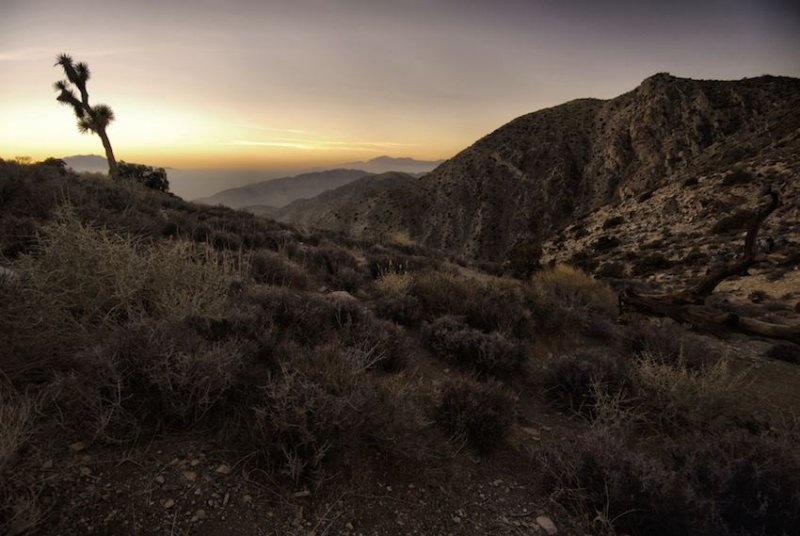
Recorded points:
(579, 232)
(401, 308)
(613, 221)
(85, 282)
(394, 300)
(616, 489)
(605, 243)
(736, 177)
(574, 380)
(497, 305)
(670, 343)
(785, 352)
(734, 222)
(744, 484)
(225, 240)
(28, 191)
(148, 176)
(17, 235)
(320, 411)
(169, 374)
(377, 344)
(306, 318)
(382, 261)
(487, 353)
(146, 376)
(273, 269)
(675, 399)
(440, 293)
(566, 298)
(479, 412)
(584, 260)
(335, 266)
(523, 259)
(311, 320)
(652, 262)
(611, 269)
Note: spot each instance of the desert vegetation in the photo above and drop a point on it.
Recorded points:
(311, 359)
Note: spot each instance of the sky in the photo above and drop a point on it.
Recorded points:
(261, 84)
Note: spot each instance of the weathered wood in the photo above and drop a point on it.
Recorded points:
(707, 285)
(688, 306)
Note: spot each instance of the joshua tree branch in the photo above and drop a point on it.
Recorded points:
(689, 305)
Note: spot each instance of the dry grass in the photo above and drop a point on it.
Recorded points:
(564, 298)
(394, 285)
(667, 399)
(402, 238)
(84, 282)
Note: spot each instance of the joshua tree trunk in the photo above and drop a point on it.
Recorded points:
(93, 119)
(112, 162)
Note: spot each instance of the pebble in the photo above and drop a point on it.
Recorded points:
(169, 503)
(160, 479)
(547, 524)
(79, 446)
(224, 469)
(191, 476)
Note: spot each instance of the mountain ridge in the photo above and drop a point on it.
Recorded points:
(536, 174)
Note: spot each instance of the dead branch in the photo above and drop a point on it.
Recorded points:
(688, 306)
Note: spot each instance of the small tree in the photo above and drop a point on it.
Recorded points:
(523, 259)
(152, 177)
(93, 119)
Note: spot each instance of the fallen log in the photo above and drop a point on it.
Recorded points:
(688, 306)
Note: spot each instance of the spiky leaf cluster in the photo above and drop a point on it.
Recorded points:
(90, 118)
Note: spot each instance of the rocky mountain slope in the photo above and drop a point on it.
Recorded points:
(534, 176)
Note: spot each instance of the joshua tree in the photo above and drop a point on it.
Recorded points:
(90, 118)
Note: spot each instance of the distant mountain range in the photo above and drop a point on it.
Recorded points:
(533, 177)
(87, 163)
(325, 209)
(280, 192)
(216, 186)
(383, 164)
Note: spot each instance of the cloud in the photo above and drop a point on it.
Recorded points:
(324, 145)
(270, 129)
(271, 144)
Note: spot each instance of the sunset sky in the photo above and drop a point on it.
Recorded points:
(266, 84)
